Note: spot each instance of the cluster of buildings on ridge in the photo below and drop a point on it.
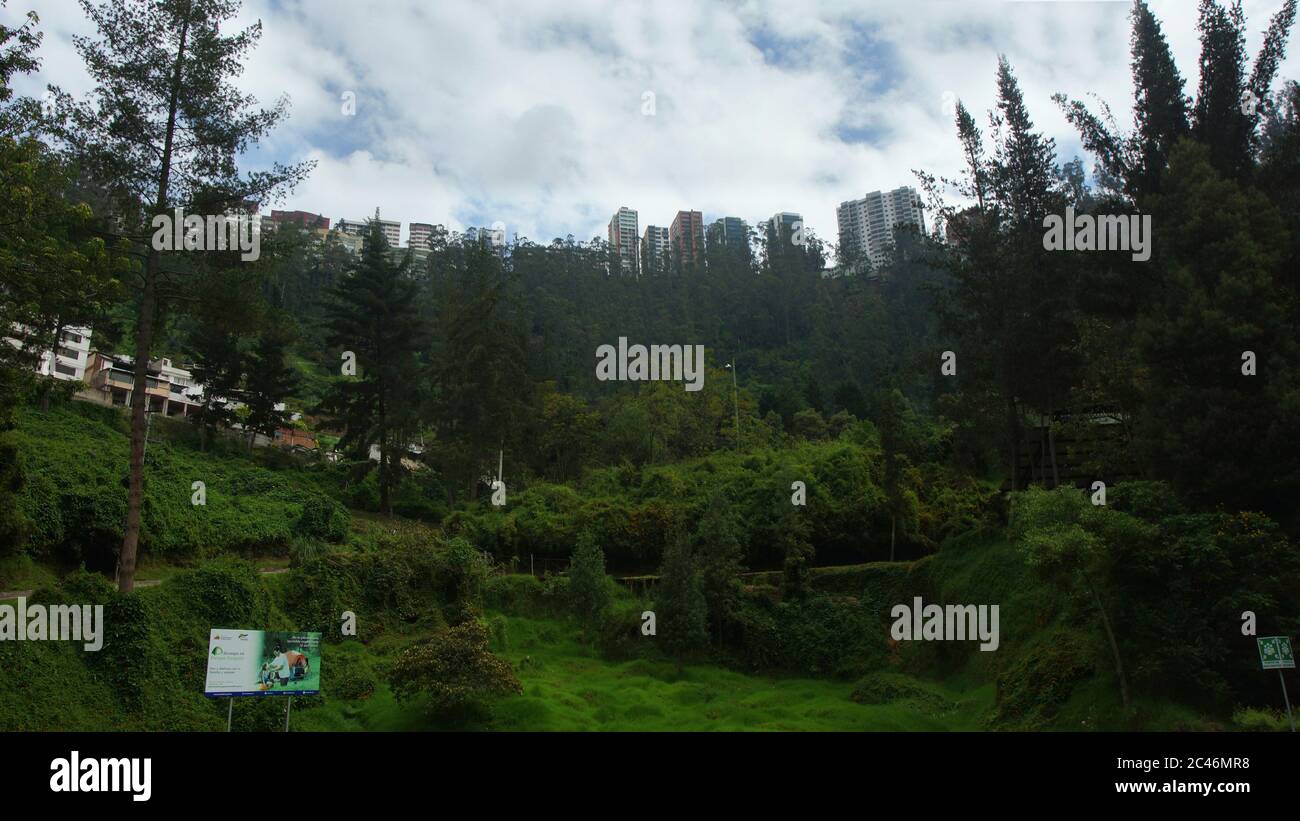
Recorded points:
(867, 231)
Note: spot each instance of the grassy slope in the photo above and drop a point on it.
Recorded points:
(74, 459)
(567, 687)
(76, 450)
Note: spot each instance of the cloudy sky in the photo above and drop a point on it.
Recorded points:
(547, 116)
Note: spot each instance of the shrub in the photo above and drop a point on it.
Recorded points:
(1035, 685)
(1256, 720)
(350, 677)
(323, 518)
(884, 687)
(517, 594)
(454, 668)
(1152, 501)
(461, 573)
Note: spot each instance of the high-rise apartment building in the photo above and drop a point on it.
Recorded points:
(655, 247)
(729, 232)
(623, 239)
(303, 219)
(784, 230)
(686, 235)
(420, 235)
(492, 237)
(392, 229)
(868, 226)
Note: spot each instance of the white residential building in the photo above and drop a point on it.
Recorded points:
(624, 239)
(868, 227)
(67, 360)
(358, 228)
(494, 237)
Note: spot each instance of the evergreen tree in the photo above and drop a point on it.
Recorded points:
(679, 599)
(719, 551)
(270, 380)
(900, 442)
(477, 360)
(373, 314)
(1159, 102)
(1218, 119)
(218, 365)
(588, 589)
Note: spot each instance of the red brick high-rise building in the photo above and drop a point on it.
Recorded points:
(686, 235)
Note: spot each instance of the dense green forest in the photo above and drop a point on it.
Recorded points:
(1105, 447)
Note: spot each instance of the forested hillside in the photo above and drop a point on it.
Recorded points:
(1102, 447)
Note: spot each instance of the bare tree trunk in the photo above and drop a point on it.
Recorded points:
(144, 341)
(1013, 431)
(139, 430)
(385, 473)
(1051, 449)
(54, 364)
(1114, 647)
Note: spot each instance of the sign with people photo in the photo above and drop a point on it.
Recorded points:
(261, 663)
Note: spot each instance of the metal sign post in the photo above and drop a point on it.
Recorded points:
(1285, 698)
(230, 714)
(1275, 654)
(287, 709)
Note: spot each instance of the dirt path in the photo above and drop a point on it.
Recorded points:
(14, 594)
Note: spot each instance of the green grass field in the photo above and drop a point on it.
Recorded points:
(568, 687)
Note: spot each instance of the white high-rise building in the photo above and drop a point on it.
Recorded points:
(624, 239)
(868, 226)
(357, 228)
(491, 237)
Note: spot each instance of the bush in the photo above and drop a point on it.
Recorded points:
(350, 677)
(817, 637)
(323, 518)
(1257, 720)
(1151, 501)
(518, 594)
(455, 669)
(461, 573)
(1035, 685)
(886, 688)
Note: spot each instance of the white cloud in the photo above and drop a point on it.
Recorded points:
(530, 112)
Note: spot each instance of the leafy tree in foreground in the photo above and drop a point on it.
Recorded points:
(164, 129)
(1062, 541)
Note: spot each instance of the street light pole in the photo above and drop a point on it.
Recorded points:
(735, 392)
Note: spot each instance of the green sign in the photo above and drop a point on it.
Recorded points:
(258, 663)
(1275, 652)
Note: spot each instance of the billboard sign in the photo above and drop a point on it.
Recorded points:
(1275, 652)
(261, 663)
